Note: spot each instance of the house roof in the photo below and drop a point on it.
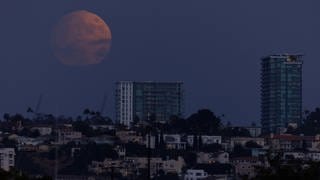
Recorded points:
(291, 137)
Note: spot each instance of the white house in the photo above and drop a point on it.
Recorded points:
(43, 130)
(173, 141)
(195, 174)
(206, 139)
(68, 135)
(313, 156)
(7, 156)
(294, 155)
(211, 139)
(246, 166)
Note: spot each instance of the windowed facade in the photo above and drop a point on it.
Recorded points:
(148, 100)
(281, 91)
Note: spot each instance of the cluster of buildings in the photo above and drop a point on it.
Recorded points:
(224, 161)
(188, 156)
(281, 96)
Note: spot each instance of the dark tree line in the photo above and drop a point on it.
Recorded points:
(310, 125)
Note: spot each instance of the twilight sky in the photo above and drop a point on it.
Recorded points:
(213, 46)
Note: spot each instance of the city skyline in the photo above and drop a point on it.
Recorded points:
(159, 90)
(214, 48)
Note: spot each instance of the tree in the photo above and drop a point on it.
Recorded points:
(235, 132)
(239, 151)
(190, 158)
(311, 123)
(83, 127)
(204, 121)
(86, 111)
(252, 144)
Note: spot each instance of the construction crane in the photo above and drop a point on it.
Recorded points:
(36, 110)
(103, 104)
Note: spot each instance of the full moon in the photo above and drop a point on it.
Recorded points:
(81, 38)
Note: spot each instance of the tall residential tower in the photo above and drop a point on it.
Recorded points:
(281, 91)
(142, 100)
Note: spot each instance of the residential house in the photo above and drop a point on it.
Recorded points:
(173, 141)
(215, 171)
(195, 174)
(130, 136)
(7, 156)
(289, 142)
(67, 135)
(43, 130)
(245, 166)
(208, 158)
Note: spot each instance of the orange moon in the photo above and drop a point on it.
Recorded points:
(81, 38)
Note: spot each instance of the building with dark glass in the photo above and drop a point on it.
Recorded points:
(281, 92)
(156, 101)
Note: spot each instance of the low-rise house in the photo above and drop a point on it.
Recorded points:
(67, 135)
(294, 155)
(315, 144)
(211, 139)
(313, 156)
(130, 136)
(300, 155)
(206, 139)
(43, 130)
(289, 142)
(173, 141)
(157, 164)
(27, 141)
(221, 157)
(7, 156)
(245, 166)
(121, 151)
(102, 127)
(256, 152)
(103, 139)
(215, 171)
(209, 158)
(131, 164)
(195, 174)
(99, 167)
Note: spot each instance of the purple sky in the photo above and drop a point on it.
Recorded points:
(213, 46)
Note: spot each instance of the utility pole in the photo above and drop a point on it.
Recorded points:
(56, 153)
(149, 148)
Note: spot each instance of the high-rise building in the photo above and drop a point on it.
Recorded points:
(281, 92)
(148, 100)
